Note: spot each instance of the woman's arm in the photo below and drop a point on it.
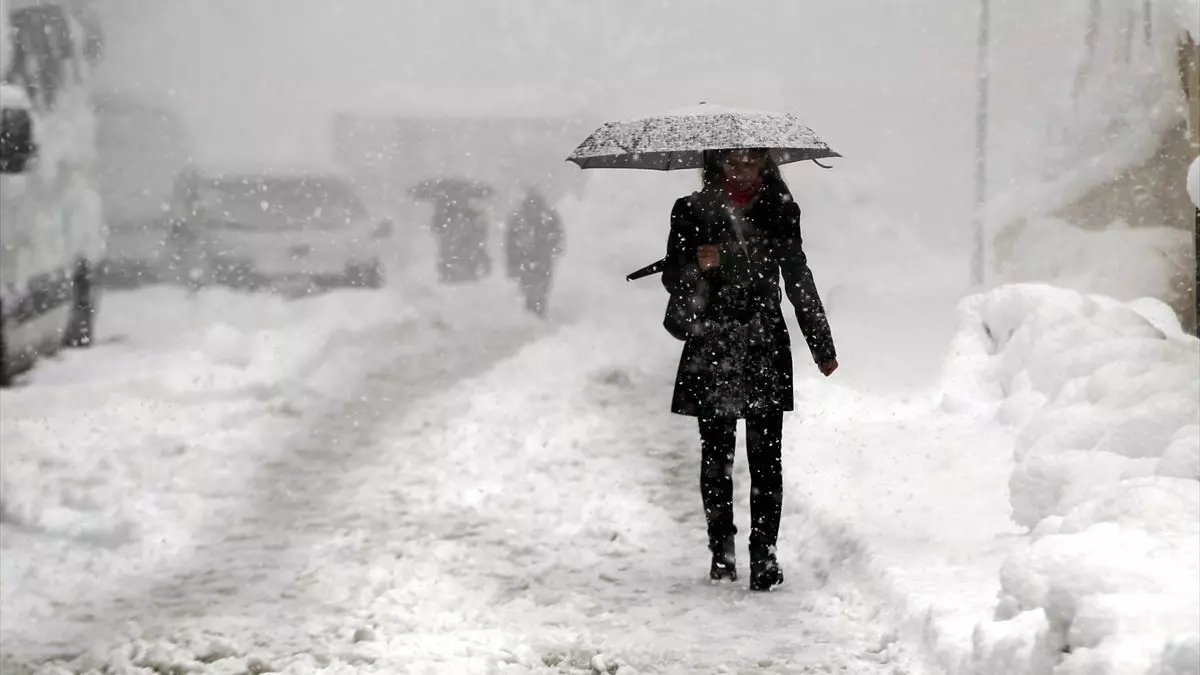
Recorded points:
(801, 289)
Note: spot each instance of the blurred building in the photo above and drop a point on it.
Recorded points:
(1118, 150)
(393, 142)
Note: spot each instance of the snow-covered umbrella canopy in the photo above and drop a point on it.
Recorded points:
(678, 139)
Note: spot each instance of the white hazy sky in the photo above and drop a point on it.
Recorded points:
(889, 83)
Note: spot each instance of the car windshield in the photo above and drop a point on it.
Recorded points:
(280, 202)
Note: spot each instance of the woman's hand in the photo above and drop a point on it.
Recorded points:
(828, 367)
(709, 256)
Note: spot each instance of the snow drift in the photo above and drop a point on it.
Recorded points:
(1106, 476)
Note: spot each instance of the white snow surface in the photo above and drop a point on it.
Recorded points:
(422, 480)
(1104, 398)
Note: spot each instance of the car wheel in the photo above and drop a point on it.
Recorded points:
(82, 322)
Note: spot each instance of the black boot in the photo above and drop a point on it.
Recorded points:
(724, 560)
(764, 569)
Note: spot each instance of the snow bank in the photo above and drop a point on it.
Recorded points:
(220, 342)
(1105, 397)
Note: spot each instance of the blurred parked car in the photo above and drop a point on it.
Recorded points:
(286, 232)
(51, 224)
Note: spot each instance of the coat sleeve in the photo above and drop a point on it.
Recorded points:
(681, 273)
(801, 289)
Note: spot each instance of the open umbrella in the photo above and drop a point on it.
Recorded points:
(678, 140)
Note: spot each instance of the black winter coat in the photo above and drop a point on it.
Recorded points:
(740, 361)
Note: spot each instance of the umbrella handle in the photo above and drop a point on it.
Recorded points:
(655, 267)
(821, 165)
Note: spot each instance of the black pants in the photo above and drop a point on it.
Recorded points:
(764, 450)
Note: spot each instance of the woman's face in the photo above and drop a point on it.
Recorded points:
(743, 167)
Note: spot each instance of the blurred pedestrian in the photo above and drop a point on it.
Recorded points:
(533, 243)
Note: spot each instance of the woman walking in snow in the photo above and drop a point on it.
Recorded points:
(729, 242)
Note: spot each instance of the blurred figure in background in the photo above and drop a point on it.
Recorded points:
(534, 240)
(460, 228)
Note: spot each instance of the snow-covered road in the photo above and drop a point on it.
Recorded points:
(427, 495)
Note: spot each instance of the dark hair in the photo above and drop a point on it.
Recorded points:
(712, 173)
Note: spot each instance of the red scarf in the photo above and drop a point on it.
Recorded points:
(741, 195)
